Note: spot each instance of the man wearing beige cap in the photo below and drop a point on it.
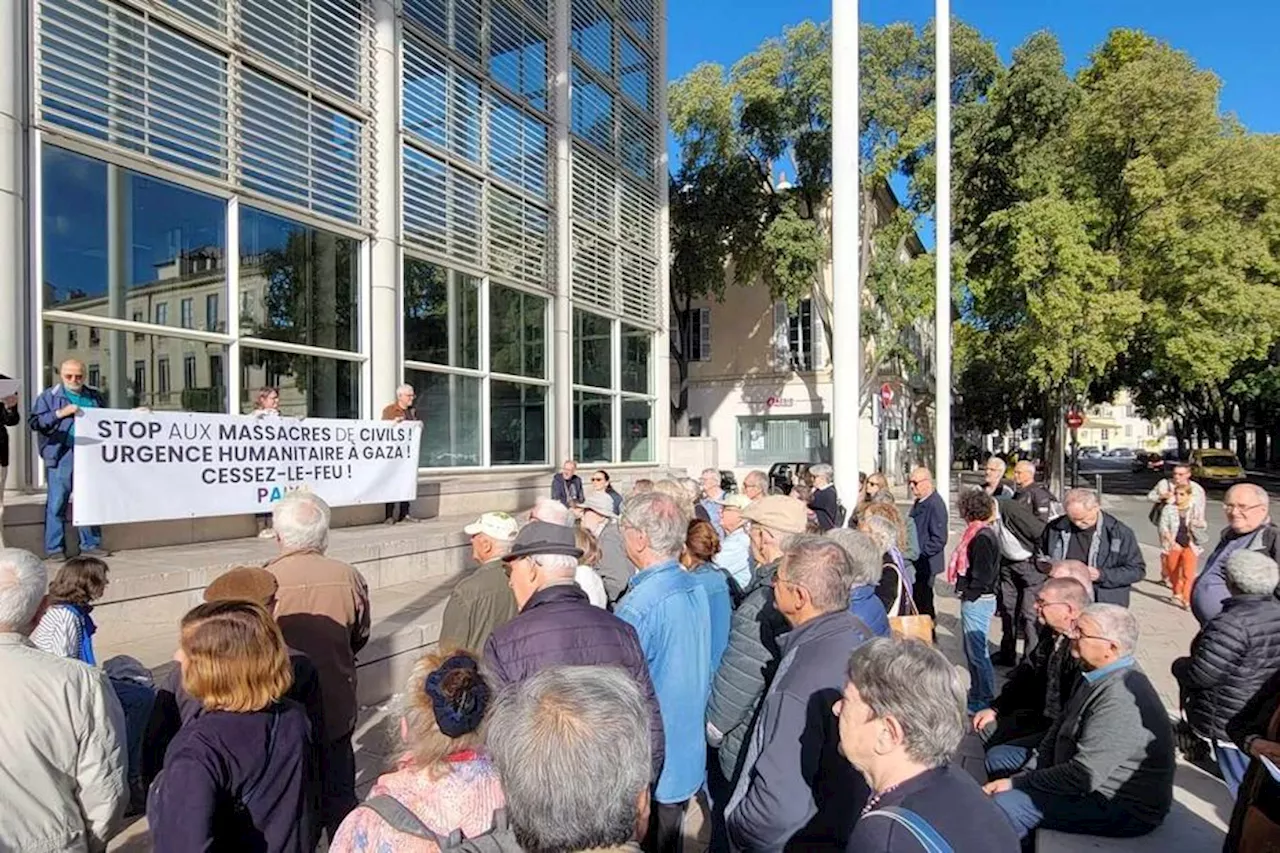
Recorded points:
(753, 636)
(615, 567)
(482, 601)
(735, 547)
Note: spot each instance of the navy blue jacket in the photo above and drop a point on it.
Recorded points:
(53, 432)
(558, 626)
(567, 492)
(1210, 589)
(930, 518)
(236, 782)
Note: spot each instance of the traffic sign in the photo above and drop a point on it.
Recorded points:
(1074, 419)
(917, 438)
(886, 395)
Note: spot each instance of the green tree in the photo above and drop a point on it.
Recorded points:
(734, 220)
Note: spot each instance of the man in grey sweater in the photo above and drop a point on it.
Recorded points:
(1106, 766)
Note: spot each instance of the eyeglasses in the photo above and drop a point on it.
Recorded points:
(597, 479)
(1241, 507)
(1077, 634)
(73, 376)
(1045, 605)
(916, 482)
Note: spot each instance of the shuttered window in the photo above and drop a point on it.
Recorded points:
(592, 111)
(635, 74)
(593, 270)
(320, 40)
(517, 147)
(591, 37)
(517, 55)
(594, 182)
(639, 282)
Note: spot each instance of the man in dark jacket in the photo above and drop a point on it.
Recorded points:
(796, 792)
(8, 417)
(752, 652)
(53, 419)
(1232, 658)
(1035, 495)
(1020, 531)
(1249, 528)
(824, 502)
(1106, 766)
(929, 515)
(558, 626)
(566, 486)
(1101, 541)
(1033, 696)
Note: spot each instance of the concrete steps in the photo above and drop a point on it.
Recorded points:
(410, 568)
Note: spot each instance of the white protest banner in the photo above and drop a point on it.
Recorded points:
(147, 466)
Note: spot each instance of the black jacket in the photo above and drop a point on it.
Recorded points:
(983, 574)
(1027, 686)
(1231, 659)
(8, 417)
(1041, 500)
(558, 626)
(1020, 519)
(1114, 552)
(569, 491)
(825, 506)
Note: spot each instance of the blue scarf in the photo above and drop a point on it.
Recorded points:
(87, 629)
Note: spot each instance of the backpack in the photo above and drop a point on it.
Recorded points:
(499, 839)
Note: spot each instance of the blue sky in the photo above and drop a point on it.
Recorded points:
(1235, 38)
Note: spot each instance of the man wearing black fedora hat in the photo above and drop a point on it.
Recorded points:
(557, 625)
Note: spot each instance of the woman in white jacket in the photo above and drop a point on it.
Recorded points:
(63, 785)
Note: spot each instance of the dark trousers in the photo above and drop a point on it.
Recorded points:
(337, 783)
(666, 827)
(1092, 814)
(1016, 601)
(922, 591)
(398, 511)
(1025, 728)
(719, 790)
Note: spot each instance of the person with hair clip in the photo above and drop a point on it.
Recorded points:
(445, 781)
(237, 777)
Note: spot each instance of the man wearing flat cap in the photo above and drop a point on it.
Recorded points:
(557, 625)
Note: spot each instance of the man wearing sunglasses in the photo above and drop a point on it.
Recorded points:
(53, 419)
(1249, 528)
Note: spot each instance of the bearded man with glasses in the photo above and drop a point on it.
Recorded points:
(1037, 688)
(53, 419)
(1249, 528)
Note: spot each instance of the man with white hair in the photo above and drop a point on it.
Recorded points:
(671, 615)
(558, 626)
(755, 485)
(735, 547)
(566, 486)
(570, 747)
(712, 494)
(400, 411)
(993, 478)
(615, 568)
(53, 419)
(63, 738)
(1106, 765)
(1101, 541)
(1232, 658)
(795, 791)
(824, 502)
(322, 607)
(481, 602)
(1249, 528)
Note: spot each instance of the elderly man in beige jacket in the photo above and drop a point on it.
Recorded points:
(62, 756)
(322, 607)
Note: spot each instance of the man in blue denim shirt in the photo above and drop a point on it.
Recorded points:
(53, 419)
(670, 613)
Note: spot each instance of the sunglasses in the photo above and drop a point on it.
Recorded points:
(597, 479)
(914, 482)
(73, 376)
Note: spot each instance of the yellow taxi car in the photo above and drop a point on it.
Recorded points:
(1216, 466)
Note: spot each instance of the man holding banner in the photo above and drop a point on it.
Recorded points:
(8, 417)
(53, 419)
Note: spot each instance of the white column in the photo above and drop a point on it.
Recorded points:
(562, 312)
(661, 343)
(15, 305)
(385, 263)
(942, 219)
(846, 355)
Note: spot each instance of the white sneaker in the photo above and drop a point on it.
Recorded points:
(267, 534)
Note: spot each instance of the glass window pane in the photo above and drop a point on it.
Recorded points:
(592, 35)
(142, 370)
(592, 111)
(297, 283)
(592, 350)
(450, 408)
(634, 74)
(637, 431)
(636, 347)
(519, 423)
(517, 55)
(592, 427)
(441, 315)
(310, 386)
(170, 241)
(517, 332)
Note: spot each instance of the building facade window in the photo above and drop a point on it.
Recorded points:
(95, 376)
(696, 325)
(800, 336)
(211, 323)
(613, 390)
(763, 440)
(187, 313)
(162, 379)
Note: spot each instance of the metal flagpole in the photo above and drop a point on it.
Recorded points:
(846, 335)
(942, 220)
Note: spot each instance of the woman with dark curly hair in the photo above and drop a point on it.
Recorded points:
(66, 629)
(975, 570)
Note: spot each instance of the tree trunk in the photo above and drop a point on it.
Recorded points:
(1053, 447)
(677, 343)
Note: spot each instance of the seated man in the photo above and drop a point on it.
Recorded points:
(1038, 687)
(1106, 766)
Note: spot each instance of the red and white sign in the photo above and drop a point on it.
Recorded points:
(886, 395)
(1074, 419)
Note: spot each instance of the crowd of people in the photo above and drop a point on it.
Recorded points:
(610, 661)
